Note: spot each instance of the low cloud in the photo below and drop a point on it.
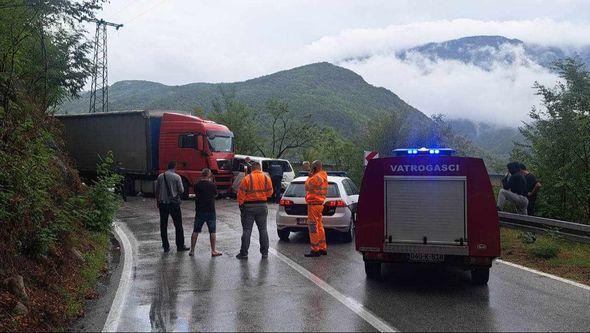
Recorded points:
(180, 50)
(353, 43)
(502, 95)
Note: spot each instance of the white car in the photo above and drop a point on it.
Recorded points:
(288, 173)
(339, 209)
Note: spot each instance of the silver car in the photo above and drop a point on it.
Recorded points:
(339, 208)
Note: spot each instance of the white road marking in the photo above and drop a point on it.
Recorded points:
(114, 316)
(551, 276)
(349, 302)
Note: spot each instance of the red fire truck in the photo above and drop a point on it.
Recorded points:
(428, 206)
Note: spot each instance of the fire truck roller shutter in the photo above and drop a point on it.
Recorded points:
(426, 210)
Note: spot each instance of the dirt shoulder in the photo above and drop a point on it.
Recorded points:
(57, 286)
(547, 253)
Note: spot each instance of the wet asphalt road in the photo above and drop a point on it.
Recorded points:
(175, 292)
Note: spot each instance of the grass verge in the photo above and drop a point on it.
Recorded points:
(548, 253)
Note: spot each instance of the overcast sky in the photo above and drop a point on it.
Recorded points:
(184, 41)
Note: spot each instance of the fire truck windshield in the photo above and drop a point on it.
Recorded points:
(221, 143)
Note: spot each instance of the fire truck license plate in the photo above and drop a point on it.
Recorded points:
(426, 257)
(302, 221)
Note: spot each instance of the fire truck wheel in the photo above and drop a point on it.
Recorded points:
(373, 270)
(284, 235)
(480, 276)
(185, 184)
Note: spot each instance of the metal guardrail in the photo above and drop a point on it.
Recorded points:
(574, 231)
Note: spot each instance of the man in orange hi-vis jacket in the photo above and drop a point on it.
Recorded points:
(316, 187)
(253, 193)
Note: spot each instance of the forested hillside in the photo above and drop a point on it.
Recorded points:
(333, 95)
(495, 139)
(54, 229)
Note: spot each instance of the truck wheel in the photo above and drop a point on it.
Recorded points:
(373, 270)
(480, 276)
(284, 235)
(185, 184)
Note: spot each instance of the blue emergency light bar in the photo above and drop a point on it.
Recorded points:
(424, 151)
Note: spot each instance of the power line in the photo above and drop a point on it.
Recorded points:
(140, 14)
(121, 10)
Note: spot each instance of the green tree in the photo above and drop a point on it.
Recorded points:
(240, 119)
(43, 51)
(334, 150)
(387, 133)
(283, 132)
(557, 143)
(198, 112)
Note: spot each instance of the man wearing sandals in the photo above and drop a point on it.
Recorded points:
(205, 193)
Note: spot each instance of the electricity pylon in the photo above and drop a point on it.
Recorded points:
(99, 88)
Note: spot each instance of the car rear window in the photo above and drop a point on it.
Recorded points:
(284, 164)
(297, 190)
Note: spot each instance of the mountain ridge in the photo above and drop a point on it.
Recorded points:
(485, 51)
(332, 94)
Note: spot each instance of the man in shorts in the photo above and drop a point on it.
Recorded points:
(205, 193)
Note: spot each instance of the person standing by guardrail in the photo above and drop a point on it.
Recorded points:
(533, 187)
(168, 190)
(515, 190)
(254, 191)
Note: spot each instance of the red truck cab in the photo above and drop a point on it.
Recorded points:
(195, 144)
(427, 206)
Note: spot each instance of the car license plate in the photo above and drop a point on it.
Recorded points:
(426, 257)
(301, 221)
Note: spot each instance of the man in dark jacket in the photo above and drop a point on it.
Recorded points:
(276, 175)
(515, 190)
(533, 188)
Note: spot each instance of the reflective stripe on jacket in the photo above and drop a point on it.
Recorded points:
(254, 187)
(316, 187)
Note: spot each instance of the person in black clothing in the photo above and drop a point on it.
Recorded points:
(205, 193)
(533, 187)
(247, 166)
(514, 189)
(276, 176)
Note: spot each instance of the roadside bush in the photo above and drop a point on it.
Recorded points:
(103, 200)
(544, 248)
(527, 237)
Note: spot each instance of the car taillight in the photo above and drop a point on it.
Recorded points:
(335, 203)
(284, 202)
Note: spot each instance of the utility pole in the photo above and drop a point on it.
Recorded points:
(100, 75)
